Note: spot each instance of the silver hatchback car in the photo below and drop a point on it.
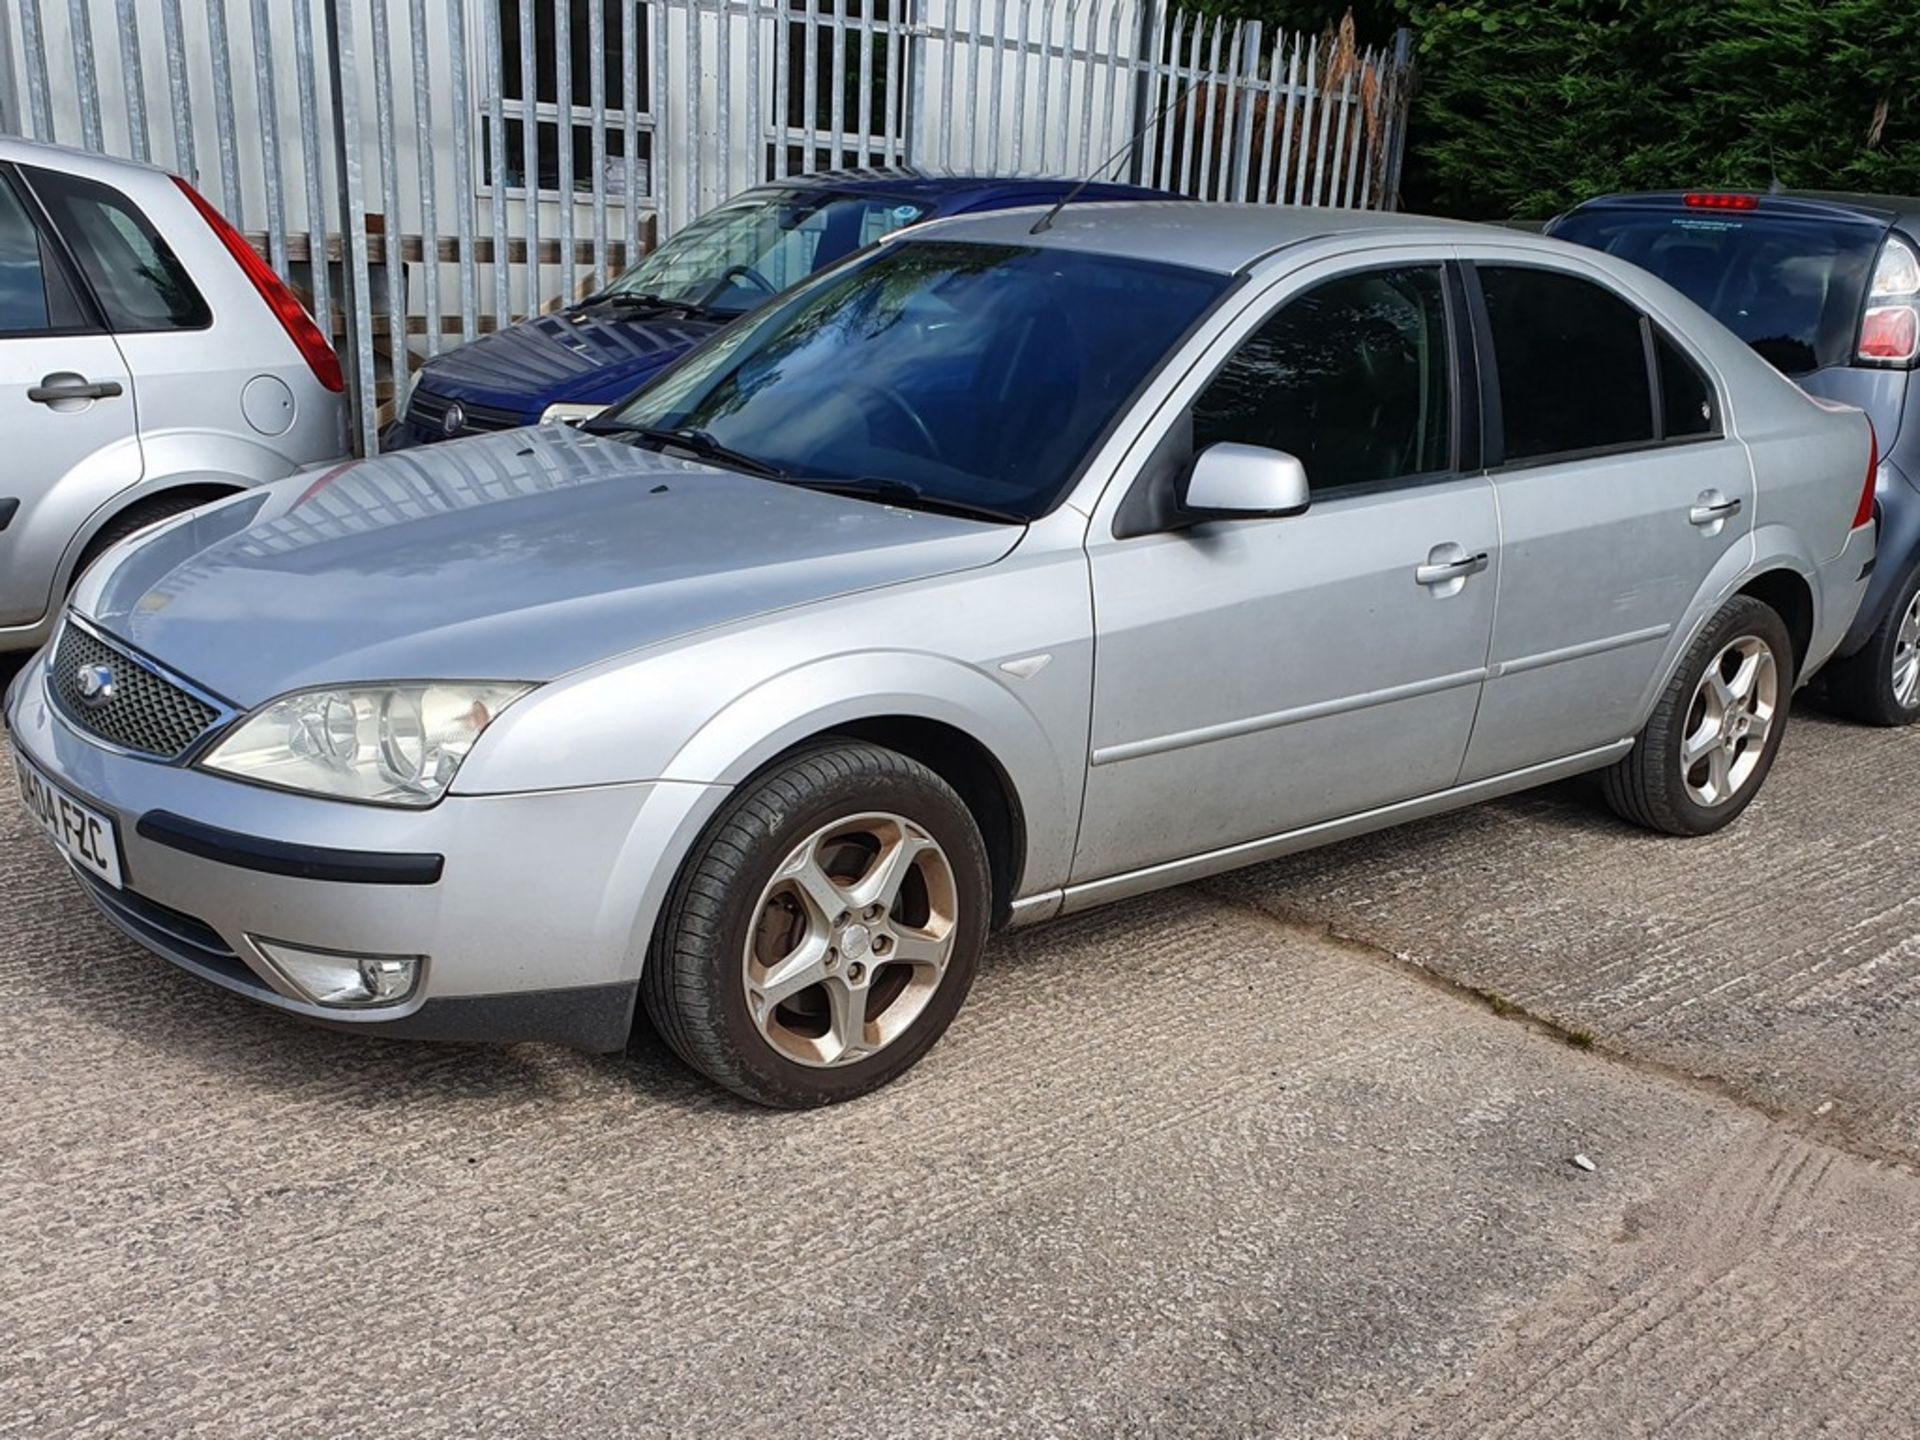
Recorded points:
(149, 361)
(1005, 570)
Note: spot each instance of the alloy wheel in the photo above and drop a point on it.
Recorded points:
(1906, 658)
(850, 939)
(1728, 721)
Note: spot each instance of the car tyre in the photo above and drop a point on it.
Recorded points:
(1712, 738)
(824, 931)
(1879, 684)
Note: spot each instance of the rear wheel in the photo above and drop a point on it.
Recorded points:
(1880, 683)
(142, 515)
(825, 930)
(1711, 740)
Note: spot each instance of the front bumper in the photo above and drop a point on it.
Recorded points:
(532, 909)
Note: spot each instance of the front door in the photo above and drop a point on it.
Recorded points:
(1619, 492)
(66, 410)
(1253, 676)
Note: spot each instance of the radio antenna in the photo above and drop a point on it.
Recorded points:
(1045, 222)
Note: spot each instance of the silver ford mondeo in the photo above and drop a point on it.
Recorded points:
(1015, 566)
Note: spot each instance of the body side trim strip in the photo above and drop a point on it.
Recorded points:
(1253, 724)
(1521, 664)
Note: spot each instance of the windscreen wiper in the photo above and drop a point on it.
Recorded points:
(908, 497)
(701, 444)
(643, 300)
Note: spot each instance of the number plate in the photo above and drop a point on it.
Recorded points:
(84, 835)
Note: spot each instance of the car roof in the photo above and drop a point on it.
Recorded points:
(950, 190)
(1219, 237)
(1814, 204)
(14, 150)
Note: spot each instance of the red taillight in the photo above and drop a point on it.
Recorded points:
(1699, 201)
(1864, 515)
(1890, 332)
(286, 306)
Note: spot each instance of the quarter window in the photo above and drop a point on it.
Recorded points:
(1572, 360)
(23, 284)
(1686, 400)
(135, 275)
(1351, 378)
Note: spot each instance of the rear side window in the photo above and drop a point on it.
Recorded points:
(134, 274)
(1351, 378)
(1792, 288)
(1686, 399)
(1572, 362)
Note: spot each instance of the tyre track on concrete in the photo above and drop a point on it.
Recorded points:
(1774, 1297)
(1780, 958)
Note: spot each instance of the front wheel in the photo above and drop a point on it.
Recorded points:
(825, 930)
(1711, 739)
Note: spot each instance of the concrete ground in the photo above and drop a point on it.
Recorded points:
(1289, 1153)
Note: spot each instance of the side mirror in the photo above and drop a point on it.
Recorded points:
(1244, 482)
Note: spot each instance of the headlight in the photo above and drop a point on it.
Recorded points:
(386, 744)
(567, 413)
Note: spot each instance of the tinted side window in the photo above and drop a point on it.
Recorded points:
(1572, 362)
(23, 285)
(134, 274)
(1351, 377)
(1686, 399)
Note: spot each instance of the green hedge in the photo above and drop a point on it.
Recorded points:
(1527, 106)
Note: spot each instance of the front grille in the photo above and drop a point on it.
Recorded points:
(143, 712)
(427, 414)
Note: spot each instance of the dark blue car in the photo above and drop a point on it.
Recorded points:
(1827, 287)
(570, 364)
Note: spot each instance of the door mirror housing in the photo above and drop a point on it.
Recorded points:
(1244, 482)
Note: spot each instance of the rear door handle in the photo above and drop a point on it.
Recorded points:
(52, 389)
(1439, 572)
(1713, 507)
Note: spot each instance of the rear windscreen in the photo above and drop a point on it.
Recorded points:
(1791, 288)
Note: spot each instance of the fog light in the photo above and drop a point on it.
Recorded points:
(354, 981)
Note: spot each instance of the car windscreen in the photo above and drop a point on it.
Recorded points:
(975, 374)
(1790, 286)
(736, 258)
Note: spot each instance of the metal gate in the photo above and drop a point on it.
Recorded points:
(426, 170)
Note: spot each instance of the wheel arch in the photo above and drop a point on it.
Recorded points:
(967, 728)
(1774, 562)
(1790, 596)
(973, 771)
(200, 488)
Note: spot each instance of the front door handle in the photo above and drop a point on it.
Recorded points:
(1711, 508)
(1442, 572)
(55, 388)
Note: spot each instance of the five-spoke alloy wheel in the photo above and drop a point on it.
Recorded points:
(1711, 740)
(1729, 721)
(825, 930)
(851, 941)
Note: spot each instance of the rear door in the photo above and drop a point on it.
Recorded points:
(1618, 491)
(66, 408)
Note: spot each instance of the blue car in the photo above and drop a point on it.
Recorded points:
(571, 364)
(1827, 288)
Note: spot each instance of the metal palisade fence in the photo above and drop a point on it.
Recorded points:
(427, 170)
